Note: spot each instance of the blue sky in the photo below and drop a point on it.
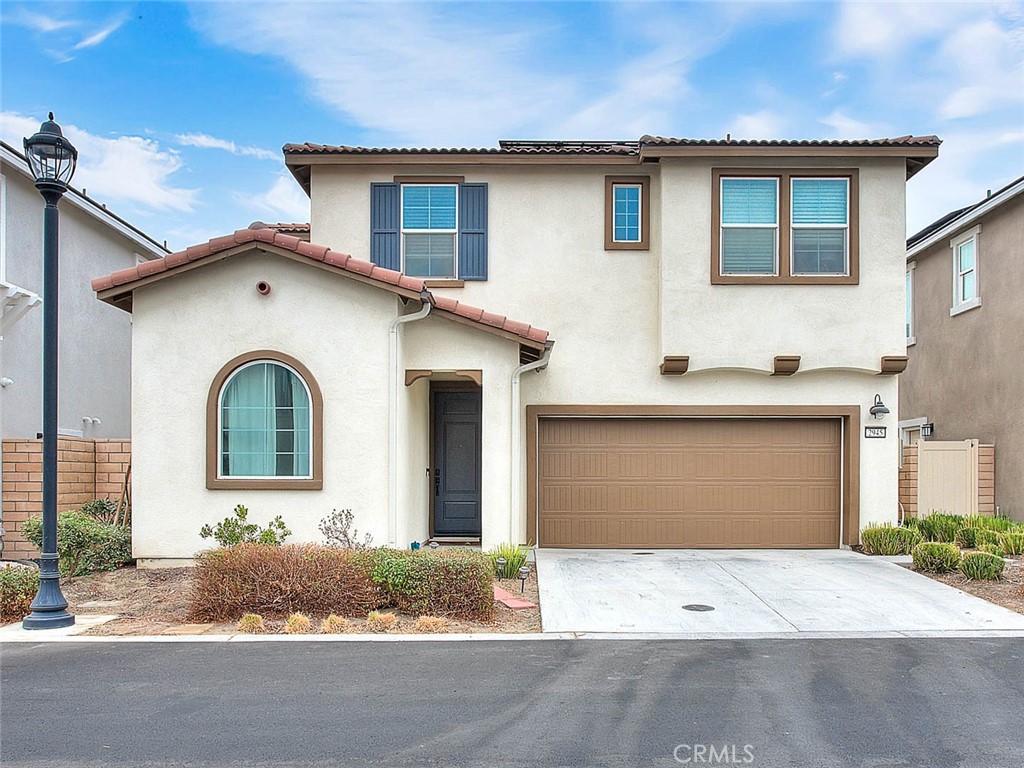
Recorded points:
(179, 110)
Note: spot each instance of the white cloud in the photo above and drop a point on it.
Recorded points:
(886, 29)
(38, 22)
(986, 60)
(283, 201)
(758, 125)
(205, 141)
(97, 38)
(128, 168)
(845, 127)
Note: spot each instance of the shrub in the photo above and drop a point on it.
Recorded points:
(84, 544)
(985, 537)
(1012, 543)
(338, 531)
(992, 549)
(515, 557)
(298, 624)
(18, 587)
(430, 625)
(104, 510)
(277, 581)
(982, 566)
(936, 557)
(456, 583)
(996, 523)
(380, 622)
(966, 537)
(889, 540)
(334, 624)
(233, 530)
(940, 526)
(252, 624)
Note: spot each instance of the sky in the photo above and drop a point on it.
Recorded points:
(180, 110)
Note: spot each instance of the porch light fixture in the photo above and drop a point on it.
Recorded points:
(52, 160)
(524, 574)
(878, 410)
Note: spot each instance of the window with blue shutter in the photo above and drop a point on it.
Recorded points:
(820, 221)
(750, 226)
(436, 231)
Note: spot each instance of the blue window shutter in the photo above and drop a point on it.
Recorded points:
(473, 231)
(385, 227)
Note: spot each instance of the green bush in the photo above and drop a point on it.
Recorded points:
(983, 537)
(940, 526)
(103, 510)
(515, 558)
(18, 587)
(966, 537)
(452, 583)
(992, 549)
(936, 557)
(84, 544)
(1012, 543)
(234, 530)
(889, 540)
(982, 566)
(995, 523)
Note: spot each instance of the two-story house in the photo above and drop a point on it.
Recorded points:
(653, 343)
(965, 335)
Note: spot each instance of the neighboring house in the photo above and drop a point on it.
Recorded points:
(95, 341)
(965, 335)
(726, 313)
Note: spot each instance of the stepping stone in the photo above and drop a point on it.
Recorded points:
(100, 604)
(511, 601)
(186, 629)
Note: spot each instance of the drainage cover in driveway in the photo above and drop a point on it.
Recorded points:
(698, 607)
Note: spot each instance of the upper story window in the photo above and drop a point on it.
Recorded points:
(429, 229)
(796, 226)
(434, 227)
(911, 268)
(965, 272)
(627, 220)
(264, 422)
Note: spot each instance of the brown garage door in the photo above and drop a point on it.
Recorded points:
(745, 483)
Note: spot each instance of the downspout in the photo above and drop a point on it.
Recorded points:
(516, 482)
(393, 389)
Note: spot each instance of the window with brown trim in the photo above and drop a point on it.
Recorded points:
(627, 213)
(264, 425)
(796, 226)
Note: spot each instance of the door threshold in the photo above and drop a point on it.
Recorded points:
(443, 540)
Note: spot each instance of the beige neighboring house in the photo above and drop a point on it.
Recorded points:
(965, 335)
(635, 344)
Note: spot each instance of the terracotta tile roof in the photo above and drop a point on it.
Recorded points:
(900, 141)
(286, 227)
(119, 285)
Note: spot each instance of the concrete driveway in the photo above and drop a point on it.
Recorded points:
(752, 593)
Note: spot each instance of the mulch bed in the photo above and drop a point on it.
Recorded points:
(156, 601)
(1007, 591)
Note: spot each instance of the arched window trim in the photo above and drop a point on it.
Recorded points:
(213, 419)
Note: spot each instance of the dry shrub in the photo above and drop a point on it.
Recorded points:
(298, 624)
(278, 581)
(334, 625)
(381, 622)
(430, 625)
(252, 624)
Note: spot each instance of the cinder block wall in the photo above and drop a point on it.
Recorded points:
(986, 480)
(87, 469)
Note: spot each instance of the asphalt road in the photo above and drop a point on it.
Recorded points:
(928, 703)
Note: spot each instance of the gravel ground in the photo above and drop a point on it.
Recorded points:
(1007, 591)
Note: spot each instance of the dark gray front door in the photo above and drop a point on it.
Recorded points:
(456, 464)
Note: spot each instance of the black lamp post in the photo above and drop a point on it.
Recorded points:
(52, 159)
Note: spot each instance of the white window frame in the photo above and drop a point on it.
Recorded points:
(454, 232)
(911, 289)
(220, 426)
(956, 244)
(723, 226)
(845, 227)
(640, 211)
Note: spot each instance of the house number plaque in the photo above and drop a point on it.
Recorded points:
(874, 431)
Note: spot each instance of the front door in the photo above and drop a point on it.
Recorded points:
(456, 462)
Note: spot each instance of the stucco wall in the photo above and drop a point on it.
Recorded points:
(95, 338)
(965, 371)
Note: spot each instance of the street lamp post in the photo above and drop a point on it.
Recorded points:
(52, 160)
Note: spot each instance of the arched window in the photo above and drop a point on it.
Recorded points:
(264, 420)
